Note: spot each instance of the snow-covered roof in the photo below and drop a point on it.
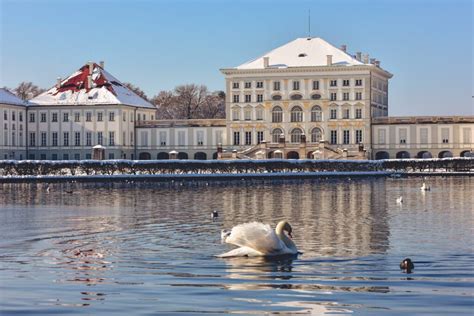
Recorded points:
(303, 52)
(103, 88)
(6, 97)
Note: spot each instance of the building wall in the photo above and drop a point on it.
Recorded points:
(12, 131)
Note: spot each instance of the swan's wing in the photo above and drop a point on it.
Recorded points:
(240, 252)
(260, 237)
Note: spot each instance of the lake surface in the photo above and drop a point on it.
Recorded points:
(148, 249)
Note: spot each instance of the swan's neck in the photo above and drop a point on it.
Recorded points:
(288, 242)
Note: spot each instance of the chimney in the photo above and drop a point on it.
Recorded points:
(102, 64)
(91, 66)
(372, 61)
(359, 56)
(366, 59)
(377, 63)
(329, 60)
(344, 48)
(266, 62)
(89, 82)
(58, 82)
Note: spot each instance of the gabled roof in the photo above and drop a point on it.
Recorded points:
(6, 97)
(303, 52)
(103, 88)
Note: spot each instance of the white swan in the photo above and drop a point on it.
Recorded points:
(424, 187)
(258, 239)
(400, 199)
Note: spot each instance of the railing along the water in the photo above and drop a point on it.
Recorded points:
(14, 168)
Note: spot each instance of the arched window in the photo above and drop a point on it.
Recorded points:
(276, 135)
(296, 135)
(296, 114)
(259, 113)
(235, 114)
(277, 114)
(316, 114)
(248, 113)
(316, 135)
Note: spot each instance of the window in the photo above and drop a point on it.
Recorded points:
(345, 136)
(88, 116)
(66, 138)
(358, 136)
(276, 133)
(54, 117)
(5, 126)
(296, 114)
(55, 139)
(259, 84)
(346, 113)
(296, 135)
(333, 83)
(381, 133)
(276, 97)
(235, 85)
(259, 114)
(100, 116)
(358, 82)
(248, 85)
(65, 156)
(277, 114)
(77, 138)
(236, 98)
(236, 138)
(248, 98)
(124, 116)
(445, 135)
(13, 139)
(259, 137)
(248, 138)
(315, 85)
(111, 156)
(423, 135)
(144, 116)
(88, 139)
(236, 114)
(276, 85)
(131, 117)
(111, 138)
(43, 139)
(333, 114)
(32, 117)
(111, 116)
(43, 117)
(358, 95)
(21, 116)
(358, 113)
(100, 138)
(200, 138)
(132, 139)
(259, 97)
(124, 139)
(316, 135)
(466, 135)
(88, 156)
(248, 113)
(345, 82)
(333, 96)
(5, 115)
(77, 117)
(296, 85)
(316, 114)
(66, 117)
(218, 136)
(162, 138)
(345, 96)
(402, 134)
(333, 137)
(181, 138)
(77, 156)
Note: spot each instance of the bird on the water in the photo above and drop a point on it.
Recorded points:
(407, 265)
(214, 215)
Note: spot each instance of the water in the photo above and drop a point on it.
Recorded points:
(148, 249)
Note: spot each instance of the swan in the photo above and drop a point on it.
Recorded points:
(400, 199)
(258, 239)
(424, 187)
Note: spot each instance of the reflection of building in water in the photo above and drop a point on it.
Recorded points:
(336, 218)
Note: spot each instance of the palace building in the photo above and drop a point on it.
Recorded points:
(305, 99)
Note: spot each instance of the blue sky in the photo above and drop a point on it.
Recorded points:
(156, 45)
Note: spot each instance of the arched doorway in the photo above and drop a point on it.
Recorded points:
(163, 156)
(403, 155)
(424, 155)
(309, 155)
(292, 155)
(144, 156)
(182, 155)
(445, 154)
(382, 155)
(467, 153)
(270, 155)
(200, 156)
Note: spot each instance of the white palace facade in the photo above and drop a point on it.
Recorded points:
(305, 99)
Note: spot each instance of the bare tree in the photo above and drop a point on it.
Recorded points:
(27, 90)
(136, 89)
(190, 101)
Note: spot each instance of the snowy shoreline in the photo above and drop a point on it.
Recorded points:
(224, 176)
